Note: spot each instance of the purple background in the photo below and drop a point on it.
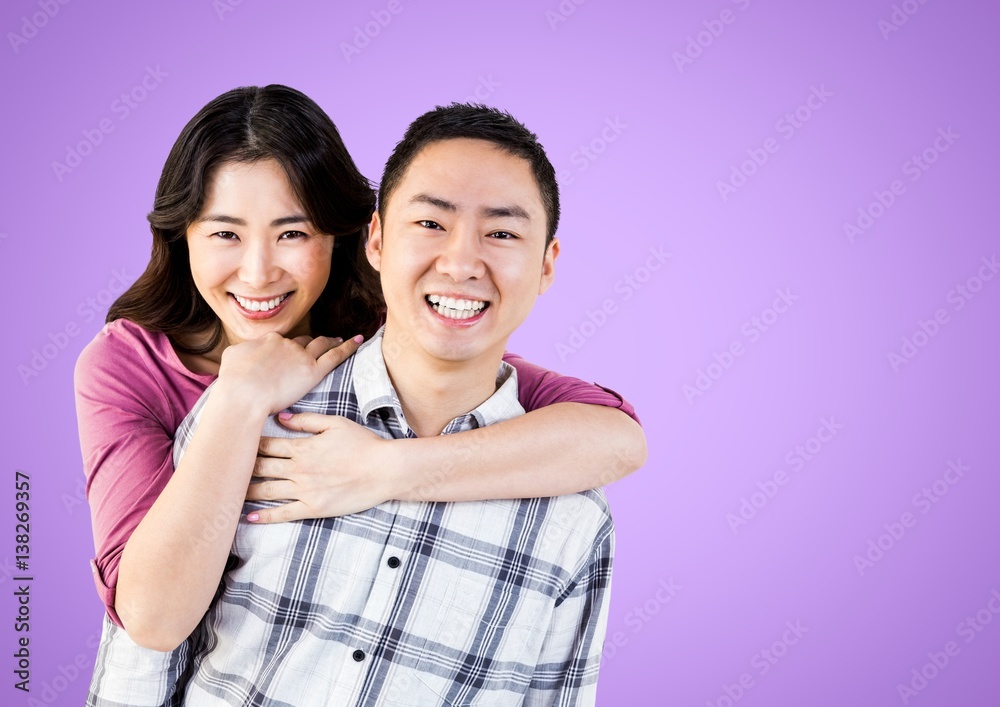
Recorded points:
(641, 138)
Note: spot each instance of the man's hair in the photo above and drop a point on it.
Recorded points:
(477, 122)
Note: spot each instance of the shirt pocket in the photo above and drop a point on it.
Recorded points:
(502, 622)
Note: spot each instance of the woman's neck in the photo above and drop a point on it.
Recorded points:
(208, 363)
(201, 363)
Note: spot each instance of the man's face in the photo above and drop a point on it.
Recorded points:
(462, 251)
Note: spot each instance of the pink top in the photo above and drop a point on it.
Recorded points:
(132, 392)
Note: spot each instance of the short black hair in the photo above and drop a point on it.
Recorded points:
(477, 122)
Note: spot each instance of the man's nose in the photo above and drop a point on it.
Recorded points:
(461, 258)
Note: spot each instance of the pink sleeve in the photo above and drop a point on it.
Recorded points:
(123, 417)
(539, 387)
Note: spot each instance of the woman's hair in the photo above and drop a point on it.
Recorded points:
(245, 125)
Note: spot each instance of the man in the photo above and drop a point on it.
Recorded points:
(495, 602)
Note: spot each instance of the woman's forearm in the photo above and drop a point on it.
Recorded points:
(172, 564)
(552, 451)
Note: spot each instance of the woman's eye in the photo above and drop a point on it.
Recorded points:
(291, 234)
(503, 235)
(429, 224)
(226, 235)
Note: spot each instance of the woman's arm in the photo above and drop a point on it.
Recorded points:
(555, 450)
(175, 555)
(173, 561)
(126, 418)
(558, 448)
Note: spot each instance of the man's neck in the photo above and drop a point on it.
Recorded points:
(433, 392)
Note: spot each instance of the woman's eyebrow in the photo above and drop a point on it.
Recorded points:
(283, 221)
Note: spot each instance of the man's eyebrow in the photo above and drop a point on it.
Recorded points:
(283, 221)
(433, 201)
(513, 211)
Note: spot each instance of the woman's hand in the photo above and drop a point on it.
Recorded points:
(304, 471)
(273, 372)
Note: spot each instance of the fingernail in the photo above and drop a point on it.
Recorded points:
(337, 341)
(284, 416)
(358, 339)
(253, 517)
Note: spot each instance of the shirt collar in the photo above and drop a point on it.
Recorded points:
(375, 392)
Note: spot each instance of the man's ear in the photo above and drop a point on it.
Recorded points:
(373, 247)
(549, 265)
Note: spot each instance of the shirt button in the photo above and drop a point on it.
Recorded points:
(393, 562)
(358, 656)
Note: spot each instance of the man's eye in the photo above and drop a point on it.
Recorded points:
(291, 234)
(429, 224)
(503, 235)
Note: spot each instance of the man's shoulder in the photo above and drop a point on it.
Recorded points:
(596, 498)
(589, 510)
(336, 389)
(561, 531)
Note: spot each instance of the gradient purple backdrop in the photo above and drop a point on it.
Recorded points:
(646, 109)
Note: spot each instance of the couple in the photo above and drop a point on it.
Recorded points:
(379, 593)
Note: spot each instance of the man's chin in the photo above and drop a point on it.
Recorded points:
(456, 349)
(453, 354)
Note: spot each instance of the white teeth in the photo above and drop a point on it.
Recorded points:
(455, 308)
(257, 305)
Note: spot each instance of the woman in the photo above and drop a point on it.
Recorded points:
(234, 295)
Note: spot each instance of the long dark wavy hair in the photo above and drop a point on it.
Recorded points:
(245, 125)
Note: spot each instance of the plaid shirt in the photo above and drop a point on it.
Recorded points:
(498, 602)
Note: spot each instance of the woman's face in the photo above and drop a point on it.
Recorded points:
(255, 257)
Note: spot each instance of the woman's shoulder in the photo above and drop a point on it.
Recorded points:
(129, 352)
(122, 340)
